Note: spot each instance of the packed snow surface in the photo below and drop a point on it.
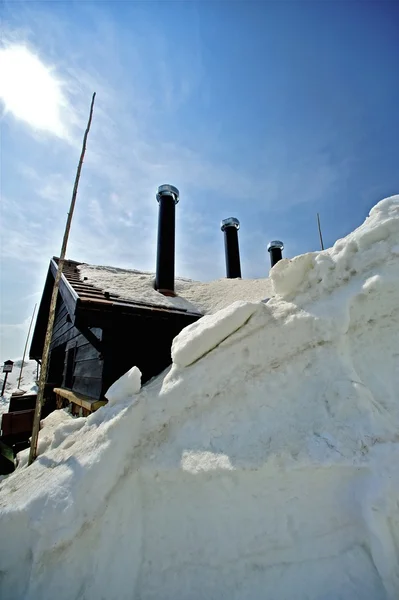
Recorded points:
(53, 430)
(262, 465)
(192, 295)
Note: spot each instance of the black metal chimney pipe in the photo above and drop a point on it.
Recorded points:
(168, 197)
(275, 248)
(230, 229)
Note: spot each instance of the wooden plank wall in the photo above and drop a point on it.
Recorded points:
(88, 368)
(64, 329)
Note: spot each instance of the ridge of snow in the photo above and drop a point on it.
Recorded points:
(317, 273)
(267, 468)
(125, 387)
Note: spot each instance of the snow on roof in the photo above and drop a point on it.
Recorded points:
(192, 295)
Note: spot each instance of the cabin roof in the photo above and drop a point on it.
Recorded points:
(92, 294)
(98, 291)
(91, 305)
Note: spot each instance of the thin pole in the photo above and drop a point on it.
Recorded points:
(321, 237)
(50, 324)
(4, 384)
(26, 345)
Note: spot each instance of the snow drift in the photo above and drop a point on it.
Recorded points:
(262, 464)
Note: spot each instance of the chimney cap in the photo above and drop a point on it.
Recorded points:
(275, 244)
(230, 222)
(168, 190)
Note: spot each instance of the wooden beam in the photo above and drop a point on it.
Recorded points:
(89, 404)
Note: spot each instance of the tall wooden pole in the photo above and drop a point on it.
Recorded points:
(26, 345)
(321, 237)
(50, 324)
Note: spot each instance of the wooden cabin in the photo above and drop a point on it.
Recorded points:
(98, 336)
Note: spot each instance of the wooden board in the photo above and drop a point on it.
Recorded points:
(88, 386)
(17, 422)
(25, 402)
(85, 351)
(60, 319)
(88, 368)
(65, 337)
(64, 328)
(79, 399)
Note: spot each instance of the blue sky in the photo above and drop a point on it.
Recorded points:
(267, 111)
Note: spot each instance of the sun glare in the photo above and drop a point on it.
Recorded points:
(29, 91)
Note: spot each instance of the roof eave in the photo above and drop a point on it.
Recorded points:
(70, 299)
(102, 310)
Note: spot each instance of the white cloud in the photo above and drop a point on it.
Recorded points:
(30, 91)
(13, 338)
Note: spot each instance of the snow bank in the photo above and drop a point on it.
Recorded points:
(57, 426)
(312, 275)
(192, 295)
(268, 468)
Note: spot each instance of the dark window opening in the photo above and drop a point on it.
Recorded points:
(56, 367)
(70, 363)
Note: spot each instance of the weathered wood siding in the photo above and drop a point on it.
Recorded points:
(88, 366)
(88, 369)
(63, 331)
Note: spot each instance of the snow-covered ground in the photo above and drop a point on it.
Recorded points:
(263, 464)
(28, 382)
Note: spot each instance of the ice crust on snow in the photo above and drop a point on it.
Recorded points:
(192, 295)
(202, 336)
(267, 468)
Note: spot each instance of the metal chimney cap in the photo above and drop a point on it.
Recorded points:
(230, 222)
(168, 190)
(275, 244)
